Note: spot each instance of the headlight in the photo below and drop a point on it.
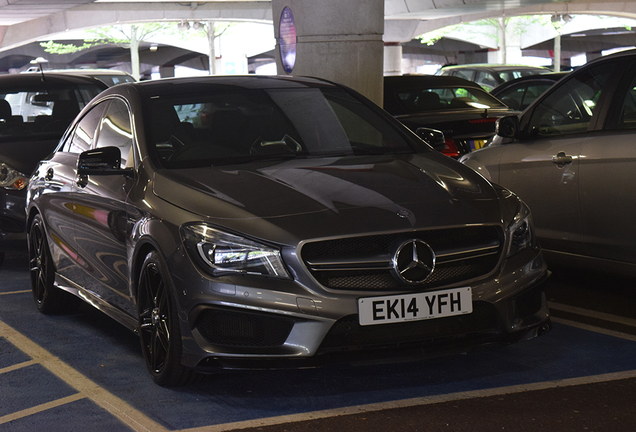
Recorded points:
(12, 179)
(521, 231)
(223, 253)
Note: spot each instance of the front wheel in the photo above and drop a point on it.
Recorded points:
(48, 298)
(159, 325)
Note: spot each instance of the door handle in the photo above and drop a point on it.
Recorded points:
(561, 159)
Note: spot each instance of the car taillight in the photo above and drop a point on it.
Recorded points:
(450, 148)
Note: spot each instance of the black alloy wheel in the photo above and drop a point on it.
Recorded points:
(48, 298)
(159, 326)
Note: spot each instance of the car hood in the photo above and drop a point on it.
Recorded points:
(304, 198)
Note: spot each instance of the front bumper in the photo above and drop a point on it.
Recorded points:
(241, 331)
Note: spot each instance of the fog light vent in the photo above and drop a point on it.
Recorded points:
(237, 328)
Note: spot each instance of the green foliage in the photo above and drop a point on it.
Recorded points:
(121, 34)
(434, 36)
(58, 48)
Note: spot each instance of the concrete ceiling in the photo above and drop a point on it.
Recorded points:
(24, 21)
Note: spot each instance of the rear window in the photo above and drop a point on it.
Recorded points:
(41, 111)
(415, 100)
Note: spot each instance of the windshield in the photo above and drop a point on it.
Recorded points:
(416, 100)
(246, 125)
(42, 111)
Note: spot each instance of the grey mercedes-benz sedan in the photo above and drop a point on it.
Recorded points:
(244, 222)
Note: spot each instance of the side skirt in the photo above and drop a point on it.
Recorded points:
(97, 302)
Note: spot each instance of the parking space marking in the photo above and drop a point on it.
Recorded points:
(39, 408)
(86, 388)
(595, 329)
(15, 292)
(419, 401)
(593, 314)
(17, 366)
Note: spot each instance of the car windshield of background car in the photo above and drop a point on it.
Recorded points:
(571, 106)
(519, 97)
(241, 126)
(35, 113)
(443, 98)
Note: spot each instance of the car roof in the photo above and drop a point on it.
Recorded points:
(168, 86)
(39, 79)
(427, 81)
(496, 67)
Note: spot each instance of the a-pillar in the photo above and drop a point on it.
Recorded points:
(336, 40)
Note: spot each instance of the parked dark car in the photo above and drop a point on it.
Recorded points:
(519, 93)
(490, 76)
(462, 110)
(110, 77)
(276, 222)
(570, 157)
(35, 110)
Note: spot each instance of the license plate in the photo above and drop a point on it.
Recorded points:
(413, 307)
(477, 144)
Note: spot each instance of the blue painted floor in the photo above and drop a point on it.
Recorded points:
(109, 355)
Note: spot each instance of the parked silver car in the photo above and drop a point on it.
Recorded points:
(570, 156)
(268, 222)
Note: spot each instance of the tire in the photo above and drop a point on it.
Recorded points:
(159, 329)
(48, 299)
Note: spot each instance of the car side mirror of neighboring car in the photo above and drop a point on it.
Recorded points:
(102, 161)
(507, 127)
(432, 137)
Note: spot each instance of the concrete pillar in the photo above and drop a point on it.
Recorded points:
(557, 53)
(392, 59)
(337, 40)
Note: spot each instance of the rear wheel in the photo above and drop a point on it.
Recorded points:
(159, 326)
(48, 298)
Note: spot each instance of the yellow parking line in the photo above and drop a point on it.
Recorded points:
(17, 366)
(134, 419)
(593, 314)
(38, 409)
(16, 292)
(595, 329)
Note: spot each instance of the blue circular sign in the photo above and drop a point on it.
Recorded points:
(287, 39)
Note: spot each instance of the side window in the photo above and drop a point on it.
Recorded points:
(466, 74)
(486, 80)
(82, 137)
(627, 118)
(115, 130)
(570, 108)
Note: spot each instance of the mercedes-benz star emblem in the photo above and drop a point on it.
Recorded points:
(414, 261)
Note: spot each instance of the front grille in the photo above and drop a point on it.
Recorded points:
(365, 263)
(235, 328)
(348, 335)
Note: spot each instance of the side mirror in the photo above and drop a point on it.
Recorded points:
(101, 161)
(432, 137)
(507, 127)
